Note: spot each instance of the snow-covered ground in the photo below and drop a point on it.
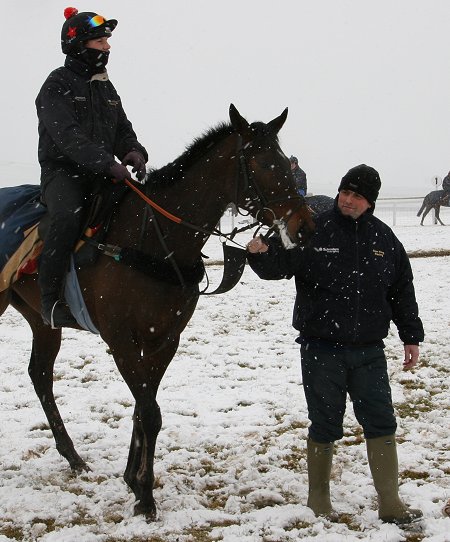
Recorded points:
(230, 460)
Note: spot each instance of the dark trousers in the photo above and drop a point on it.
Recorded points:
(329, 373)
(67, 199)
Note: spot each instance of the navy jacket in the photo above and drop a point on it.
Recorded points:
(300, 180)
(352, 280)
(82, 124)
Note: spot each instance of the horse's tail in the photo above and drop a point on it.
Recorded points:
(422, 208)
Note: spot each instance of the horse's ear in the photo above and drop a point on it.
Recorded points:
(237, 121)
(275, 125)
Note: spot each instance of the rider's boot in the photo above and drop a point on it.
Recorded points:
(52, 271)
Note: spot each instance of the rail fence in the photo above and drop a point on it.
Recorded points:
(403, 212)
(392, 211)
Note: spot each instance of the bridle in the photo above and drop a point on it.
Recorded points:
(250, 183)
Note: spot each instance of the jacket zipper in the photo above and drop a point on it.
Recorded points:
(358, 285)
(91, 92)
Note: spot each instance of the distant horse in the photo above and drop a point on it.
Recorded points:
(434, 200)
(141, 317)
(319, 203)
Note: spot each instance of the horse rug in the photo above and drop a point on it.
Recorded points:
(21, 246)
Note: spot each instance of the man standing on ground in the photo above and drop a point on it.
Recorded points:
(351, 280)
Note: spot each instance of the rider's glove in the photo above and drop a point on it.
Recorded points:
(135, 159)
(118, 172)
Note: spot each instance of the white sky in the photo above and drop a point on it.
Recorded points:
(364, 81)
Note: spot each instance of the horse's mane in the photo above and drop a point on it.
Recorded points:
(174, 171)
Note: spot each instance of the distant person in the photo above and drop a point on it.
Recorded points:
(82, 128)
(446, 185)
(352, 279)
(299, 176)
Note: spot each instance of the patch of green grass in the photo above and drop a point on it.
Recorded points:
(414, 410)
(414, 537)
(412, 384)
(297, 525)
(12, 532)
(347, 519)
(293, 460)
(136, 539)
(200, 534)
(48, 522)
(216, 500)
(84, 517)
(413, 475)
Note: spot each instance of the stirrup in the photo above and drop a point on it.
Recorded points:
(60, 316)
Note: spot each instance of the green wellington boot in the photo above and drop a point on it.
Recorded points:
(320, 458)
(383, 463)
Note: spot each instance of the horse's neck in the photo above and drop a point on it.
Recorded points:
(198, 200)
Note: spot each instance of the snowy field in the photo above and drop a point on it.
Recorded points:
(230, 460)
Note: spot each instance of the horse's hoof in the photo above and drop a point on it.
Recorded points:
(148, 510)
(78, 467)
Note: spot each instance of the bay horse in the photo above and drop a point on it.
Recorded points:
(434, 200)
(141, 317)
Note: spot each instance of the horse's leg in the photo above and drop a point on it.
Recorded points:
(46, 344)
(438, 211)
(4, 300)
(143, 373)
(427, 210)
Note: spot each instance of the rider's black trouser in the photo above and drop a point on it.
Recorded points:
(67, 199)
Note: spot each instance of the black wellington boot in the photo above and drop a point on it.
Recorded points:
(58, 315)
(54, 309)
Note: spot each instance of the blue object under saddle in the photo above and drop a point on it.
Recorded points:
(21, 208)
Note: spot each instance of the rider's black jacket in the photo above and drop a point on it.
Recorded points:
(352, 279)
(82, 124)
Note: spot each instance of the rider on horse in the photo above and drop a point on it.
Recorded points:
(82, 128)
(446, 187)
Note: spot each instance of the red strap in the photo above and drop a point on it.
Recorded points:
(168, 215)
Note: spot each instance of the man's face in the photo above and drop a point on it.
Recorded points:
(352, 204)
(98, 43)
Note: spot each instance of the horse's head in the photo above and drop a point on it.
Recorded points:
(266, 187)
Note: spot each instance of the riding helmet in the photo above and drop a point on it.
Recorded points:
(80, 27)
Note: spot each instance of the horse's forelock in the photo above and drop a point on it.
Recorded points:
(261, 130)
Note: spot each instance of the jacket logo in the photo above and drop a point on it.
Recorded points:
(80, 98)
(113, 102)
(328, 250)
(378, 252)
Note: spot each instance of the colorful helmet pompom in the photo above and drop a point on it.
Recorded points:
(70, 12)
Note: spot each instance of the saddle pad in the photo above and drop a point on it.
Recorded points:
(75, 300)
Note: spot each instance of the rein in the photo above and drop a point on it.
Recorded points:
(181, 222)
(249, 182)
